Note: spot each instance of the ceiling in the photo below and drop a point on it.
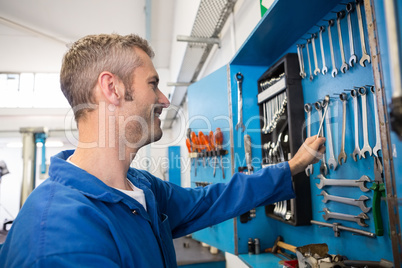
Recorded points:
(34, 33)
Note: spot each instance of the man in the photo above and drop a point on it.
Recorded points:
(96, 211)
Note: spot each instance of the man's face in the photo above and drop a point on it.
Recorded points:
(141, 115)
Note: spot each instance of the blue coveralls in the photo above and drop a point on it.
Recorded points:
(73, 219)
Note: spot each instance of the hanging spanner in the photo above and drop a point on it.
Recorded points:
(324, 69)
(323, 166)
(353, 57)
(307, 108)
(365, 56)
(366, 146)
(316, 70)
(356, 152)
(332, 160)
(341, 182)
(309, 62)
(331, 48)
(301, 61)
(239, 79)
(342, 154)
(264, 114)
(359, 219)
(340, 15)
(349, 201)
(377, 147)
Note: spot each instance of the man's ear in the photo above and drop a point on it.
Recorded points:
(110, 89)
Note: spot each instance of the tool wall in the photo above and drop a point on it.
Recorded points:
(301, 74)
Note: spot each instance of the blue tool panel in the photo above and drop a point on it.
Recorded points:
(174, 172)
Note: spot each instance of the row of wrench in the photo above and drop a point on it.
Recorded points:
(273, 109)
(357, 153)
(350, 7)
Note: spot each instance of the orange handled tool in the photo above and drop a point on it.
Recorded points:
(204, 141)
(211, 140)
(219, 140)
(188, 144)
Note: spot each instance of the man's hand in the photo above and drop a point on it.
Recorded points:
(309, 153)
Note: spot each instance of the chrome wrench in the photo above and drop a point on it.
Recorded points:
(331, 161)
(377, 146)
(239, 79)
(353, 57)
(301, 61)
(359, 219)
(342, 155)
(334, 69)
(323, 166)
(365, 56)
(349, 201)
(316, 70)
(340, 15)
(324, 69)
(345, 183)
(307, 108)
(356, 152)
(366, 145)
(309, 62)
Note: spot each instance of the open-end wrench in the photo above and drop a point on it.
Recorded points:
(301, 61)
(323, 166)
(359, 219)
(349, 201)
(264, 113)
(377, 146)
(324, 69)
(309, 62)
(340, 15)
(366, 146)
(353, 57)
(316, 70)
(332, 160)
(307, 108)
(342, 154)
(239, 79)
(334, 71)
(341, 182)
(365, 56)
(356, 152)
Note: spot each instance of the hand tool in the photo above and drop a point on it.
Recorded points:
(307, 108)
(301, 61)
(239, 79)
(337, 227)
(196, 146)
(323, 166)
(204, 143)
(340, 15)
(349, 201)
(342, 155)
(189, 149)
(264, 113)
(331, 48)
(353, 57)
(319, 106)
(359, 219)
(379, 192)
(377, 147)
(365, 56)
(316, 70)
(247, 151)
(342, 182)
(309, 62)
(366, 146)
(332, 160)
(356, 152)
(219, 142)
(324, 69)
(213, 148)
(280, 244)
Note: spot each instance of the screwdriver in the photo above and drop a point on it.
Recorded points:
(204, 145)
(212, 143)
(190, 149)
(219, 141)
(194, 140)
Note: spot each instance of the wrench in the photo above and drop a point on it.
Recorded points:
(309, 62)
(365, 56)
(316, 70)
(342, 155)
(307, 108)
(324, 69)
(323, 167)
(353, 57)
(264, 113)
(356, 152)
(359, 219)
(239, 78)
(337, 182)
(366, 145)
(349, 201)
(377, 146)
(340, 15)
(331, 161)
(301, 61)
(334, 70)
